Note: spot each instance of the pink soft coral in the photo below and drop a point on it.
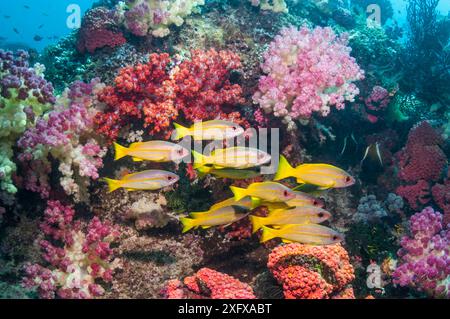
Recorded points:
(424, 262)
(76, 258)
(307, 71)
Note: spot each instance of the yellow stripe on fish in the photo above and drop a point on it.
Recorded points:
(266, 191)
(232, 157)
(155, 151)
(311, 234)
(209, 130)
(220, 217)
(247, 202)
(145, 180)
(297, 215)
(231, 173)
(324, 176)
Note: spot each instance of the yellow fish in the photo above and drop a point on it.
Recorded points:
(232, 157)
(209, 130)
(322, 175)
(311, 234)
(228, 172)
(300, 199)
(222, 216)
(155, 151)
(297, 215)
(145, 180)
(247, 202)
(267, 191)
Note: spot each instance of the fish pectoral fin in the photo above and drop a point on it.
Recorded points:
(331, 185)
(298, 187)
(137, 159)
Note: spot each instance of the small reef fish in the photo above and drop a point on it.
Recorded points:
(228, 172)
(297, 215)
(267, 191)
(210, 130)
(311, 234)
(145, 180)
(303, 199)
(232, 157)
(324, 176)
(155, 151)
(300, 199)
(16, 31)
(220, 217)
(373, 151)
(247, 202)
(37, 38)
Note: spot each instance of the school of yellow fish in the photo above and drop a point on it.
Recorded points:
(294, 216)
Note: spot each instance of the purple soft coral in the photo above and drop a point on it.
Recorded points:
(424, 257)
(78, 260)
(67, 134)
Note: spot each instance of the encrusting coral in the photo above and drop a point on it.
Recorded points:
(312, 272)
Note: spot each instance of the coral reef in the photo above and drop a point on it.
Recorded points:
(308, 71)
(421, 164)
(66, 133)
(142, 17)
(210, 284)
(272, 5)
(423, 258)
(80, 259)
(198, 88)
(99, 29)
(25, 95)
(312, 272)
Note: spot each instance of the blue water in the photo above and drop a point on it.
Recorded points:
(52, 16)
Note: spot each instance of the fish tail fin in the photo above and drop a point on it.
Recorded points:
(180, 131)
(200, 160)
(268, 234)
(257, 223)
(188, 223)
(120, 151)
(112, 184)
(239, 193)
(284, 169)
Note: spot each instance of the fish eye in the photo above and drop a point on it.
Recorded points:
(320, 215)
(335, 237)
(348, 179)
(180, 151)
(234, 128)
(315, 203)
(285, 193)
(169, 178)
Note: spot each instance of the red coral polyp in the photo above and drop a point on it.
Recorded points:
(311, 272)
